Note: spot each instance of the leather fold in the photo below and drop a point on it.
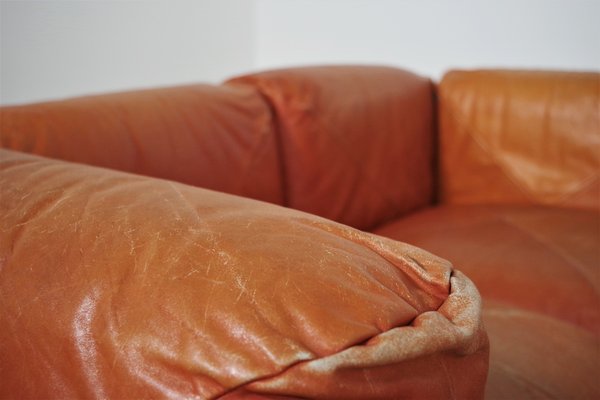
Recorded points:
(452, 335)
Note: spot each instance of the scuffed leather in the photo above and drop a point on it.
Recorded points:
(400, 363)
(520, 137)
(357, 142)
(114, 285)
(216, 137)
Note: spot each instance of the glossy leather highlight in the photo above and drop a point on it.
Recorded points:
(520, 137)
(116, 285)
(120, 286)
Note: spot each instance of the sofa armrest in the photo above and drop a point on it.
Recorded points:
(216, 137)
(357, 142)
(115, 285)
(521, 137)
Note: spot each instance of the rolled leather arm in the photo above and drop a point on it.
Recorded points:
(216, 137)
(114, 285)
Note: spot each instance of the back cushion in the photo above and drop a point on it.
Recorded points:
(521, 137)
(356, 141)
(216, 137)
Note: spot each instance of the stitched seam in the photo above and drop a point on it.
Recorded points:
(253, 159)
(276, 126)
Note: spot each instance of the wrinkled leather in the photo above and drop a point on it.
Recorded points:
(520, 137)
(357, 142)
(114, 285)
(216, 137)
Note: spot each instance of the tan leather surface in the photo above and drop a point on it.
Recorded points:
(545, 259)
(216, 137)
(521, 137)
(356, 141)
(538, 270)
(114, 285)
(533, 356)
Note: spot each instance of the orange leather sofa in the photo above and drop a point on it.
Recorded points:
(245, 240)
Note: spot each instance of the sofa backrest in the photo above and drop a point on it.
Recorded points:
(353, 144)
(357, 142)
(521, 137)
(217, 137)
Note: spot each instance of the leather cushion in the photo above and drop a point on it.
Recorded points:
(216, 137)
(533, 356)
(543, 259)
(114, 285)
(537, 270)
(520, 137)
(357, 141)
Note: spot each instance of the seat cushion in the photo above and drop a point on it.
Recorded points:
(543, 259)
(533, 356)
(114, 285)
(537, 269)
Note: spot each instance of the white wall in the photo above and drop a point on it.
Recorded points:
(52, 49)
(430, 36)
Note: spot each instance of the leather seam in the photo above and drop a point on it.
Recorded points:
(275, 127)
(265, 91)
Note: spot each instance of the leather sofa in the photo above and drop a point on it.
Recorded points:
(256, 239)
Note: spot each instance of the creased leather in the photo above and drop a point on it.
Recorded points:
(429, 350)
(114, 285)
(520, 137)
(357, 141)
(216, 137)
